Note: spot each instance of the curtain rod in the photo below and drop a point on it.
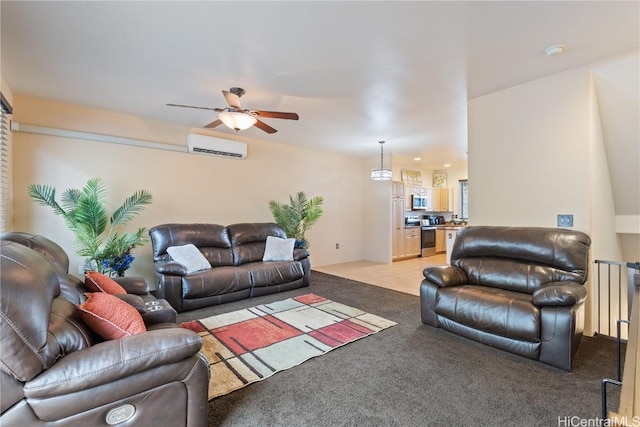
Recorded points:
(65, 133)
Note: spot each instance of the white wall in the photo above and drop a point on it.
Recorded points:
(377, 221)
(529, 153)
(537, 150)
(186, 187)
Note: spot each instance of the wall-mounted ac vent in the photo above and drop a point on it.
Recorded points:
(213, 146)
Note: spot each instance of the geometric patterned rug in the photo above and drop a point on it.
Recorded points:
(249, 345)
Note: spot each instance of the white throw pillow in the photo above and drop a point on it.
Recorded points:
(189, 256)
(278, 249)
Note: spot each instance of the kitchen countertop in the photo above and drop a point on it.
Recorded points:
(439, 226)
(450, 226)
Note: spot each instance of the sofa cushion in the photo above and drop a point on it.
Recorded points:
(189, 256)
(217, 281)
(496, 311)
(277, 249)
(275, 273)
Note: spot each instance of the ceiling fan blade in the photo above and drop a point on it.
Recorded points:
(232, 99)
(214, 123)
(265, 127)
(199, 108)
(276, 115)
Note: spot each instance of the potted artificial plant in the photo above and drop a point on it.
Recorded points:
(96, 237)
(298, 216)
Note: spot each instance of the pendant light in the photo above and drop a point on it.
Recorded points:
(381, 174)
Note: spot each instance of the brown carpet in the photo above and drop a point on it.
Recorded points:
(414, 375)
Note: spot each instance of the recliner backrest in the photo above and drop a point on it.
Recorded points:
(71, 287)
(521, 259)
(37, 328)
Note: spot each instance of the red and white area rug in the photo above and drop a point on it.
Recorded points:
(250, 345)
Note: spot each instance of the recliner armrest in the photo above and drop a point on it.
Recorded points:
(299, 254)
(170, 268)
(134, 285)
(559, 293)
(113, 360)
(445, 276)
(134, 301)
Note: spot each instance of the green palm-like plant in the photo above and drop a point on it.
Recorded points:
(96, 236)
(298, 216)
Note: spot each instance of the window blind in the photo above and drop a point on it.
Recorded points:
(464, 199)
(5, 165)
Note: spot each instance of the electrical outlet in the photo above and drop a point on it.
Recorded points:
(337, 245)
(565, 220)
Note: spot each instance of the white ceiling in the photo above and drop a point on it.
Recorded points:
(356, 72)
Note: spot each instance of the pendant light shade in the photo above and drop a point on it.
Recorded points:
(237, 120)
(381, 174)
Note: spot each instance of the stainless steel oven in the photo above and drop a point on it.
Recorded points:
(428, 241)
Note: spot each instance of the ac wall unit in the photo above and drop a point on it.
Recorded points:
(213, 146)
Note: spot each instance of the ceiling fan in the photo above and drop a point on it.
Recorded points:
(236, 117)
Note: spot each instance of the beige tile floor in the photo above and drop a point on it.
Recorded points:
(404, 276)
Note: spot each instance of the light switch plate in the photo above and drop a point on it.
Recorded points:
(565, 220)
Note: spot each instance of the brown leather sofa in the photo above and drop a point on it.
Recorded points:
(55, 371)
(519, 289)
(237, 271)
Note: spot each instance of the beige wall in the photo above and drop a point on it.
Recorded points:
(535, 151)
(529, 153)
(186, 187)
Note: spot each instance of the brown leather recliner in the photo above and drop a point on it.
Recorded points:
(154, 311)
(55, 371)
(519, 289)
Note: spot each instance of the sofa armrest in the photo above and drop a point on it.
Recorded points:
(134, 285)
(299, 254)
(134, 301)
(111, 361)
(445, 276)
(170, 268)
(559, 293)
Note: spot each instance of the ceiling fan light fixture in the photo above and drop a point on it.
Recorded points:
(237, 120)
(381, 174)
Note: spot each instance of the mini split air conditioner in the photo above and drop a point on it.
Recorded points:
(213, 146)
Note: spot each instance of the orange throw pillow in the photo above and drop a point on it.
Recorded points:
(110, 317)
(98, 282)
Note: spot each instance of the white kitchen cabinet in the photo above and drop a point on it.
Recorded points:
(397, 189)
(450, 238)
(429, 193)
(397, 219)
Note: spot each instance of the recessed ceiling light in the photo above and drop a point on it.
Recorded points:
(447, 165)
(417, 159)
(554, 50)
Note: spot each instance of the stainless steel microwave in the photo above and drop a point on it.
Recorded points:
(418, 202)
